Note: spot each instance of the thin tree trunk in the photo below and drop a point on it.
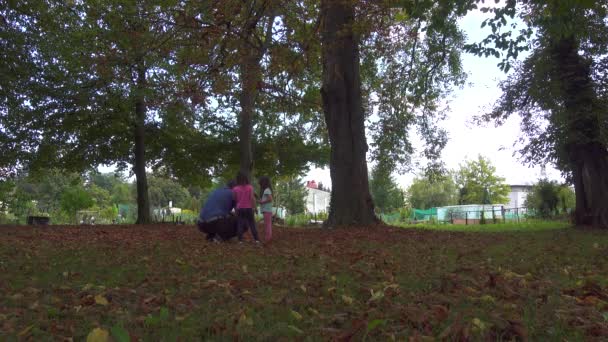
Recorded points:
(251, 77)
(351, 202)
(251, 74)
(588, 155)
(139, 166)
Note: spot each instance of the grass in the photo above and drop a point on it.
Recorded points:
(382, 283)
(528, 225)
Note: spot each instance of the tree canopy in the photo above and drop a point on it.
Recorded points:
(479, 183)
(426, 193)
(559, 91)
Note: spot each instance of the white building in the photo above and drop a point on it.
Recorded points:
(317, 200)
(517, 196)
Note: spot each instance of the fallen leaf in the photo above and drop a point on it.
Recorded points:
(101, 300)
(376, 295)
(244, 320)
(317, 312)
(478, 324)
(120, 334)
(296, 329)
(296, 315)
(25, 331)
(348, 300)
(98, 335)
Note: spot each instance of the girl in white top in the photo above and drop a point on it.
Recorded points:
(266, 206)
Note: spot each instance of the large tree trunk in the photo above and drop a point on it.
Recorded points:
(139, 166)
(351, 202)
(587, 153)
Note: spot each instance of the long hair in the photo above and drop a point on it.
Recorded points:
(264, 184)
(241, 178)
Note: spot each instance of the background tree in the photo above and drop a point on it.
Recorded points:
(404, 73)
(163, 190)
(549, 198)
(74, 199)
(559, 91)
(242, 66)
(104, 75)
(385, 191)
(478, 183)
(425, 193)
(290, 193)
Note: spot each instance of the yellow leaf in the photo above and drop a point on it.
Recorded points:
(347, 299)
(391, 286)
(244, 320)
(376, 295)
(296, 329)
(296, 315)
(487, 298)
(179, 261)
(303, 288)
(25, 331)
(313, 311)
(244, 268)
(101, 300)
(333, 278)
(331, 289)
(478, 324)
(98, 335)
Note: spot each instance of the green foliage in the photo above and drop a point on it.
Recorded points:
(162, 190)
(385, 191)
(74, 199)
(410, 60)
(101, 197)
(290, 193)
(549, 198)
(425, 193)
(109, 213)
(479, 183)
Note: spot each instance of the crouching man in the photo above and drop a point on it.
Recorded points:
(216, 218)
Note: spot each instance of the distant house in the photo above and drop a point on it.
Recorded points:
(317, 200)
(517, 196)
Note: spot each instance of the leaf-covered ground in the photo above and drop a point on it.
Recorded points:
(168, 283)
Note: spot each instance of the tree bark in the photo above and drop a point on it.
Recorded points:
(250, 74)
(351, 202)
(139, 165)
(587, 153)
(251, 77)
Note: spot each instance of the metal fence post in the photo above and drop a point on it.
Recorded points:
(466, 218)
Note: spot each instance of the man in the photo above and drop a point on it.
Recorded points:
(216, 219)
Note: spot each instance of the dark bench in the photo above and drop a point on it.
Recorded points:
(38, 220)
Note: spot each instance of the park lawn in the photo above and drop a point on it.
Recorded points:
(381, 283)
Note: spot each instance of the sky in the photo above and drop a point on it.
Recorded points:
(467, 140)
